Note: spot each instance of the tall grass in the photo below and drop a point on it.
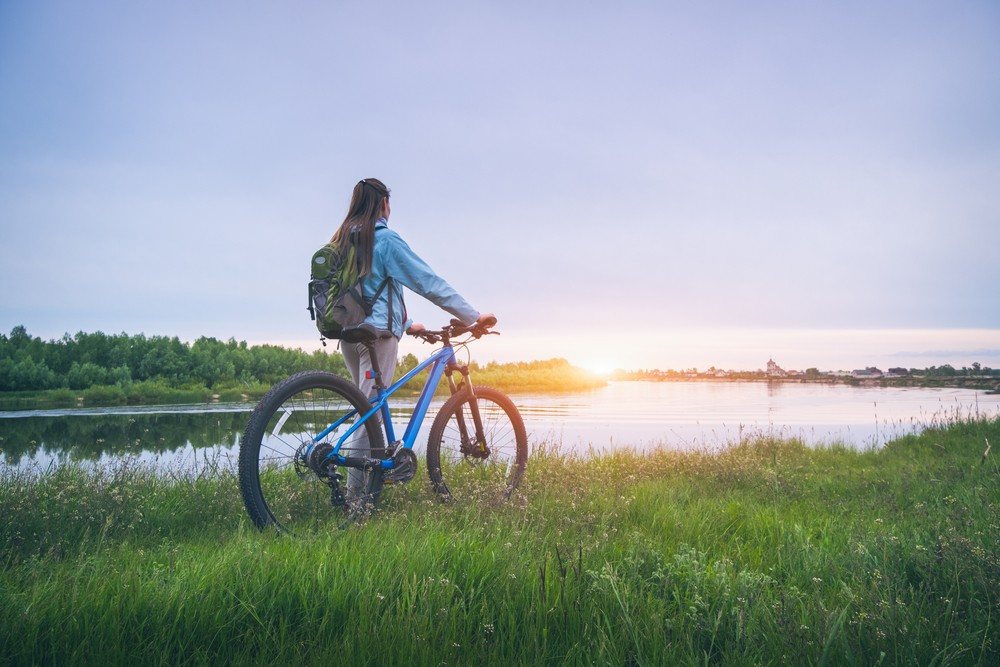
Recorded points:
(769, 552)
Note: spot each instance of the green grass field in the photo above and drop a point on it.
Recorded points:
(769, 553)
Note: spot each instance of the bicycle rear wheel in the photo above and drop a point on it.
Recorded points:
(284, 487)
(489, 469)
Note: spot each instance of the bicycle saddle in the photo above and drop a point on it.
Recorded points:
(363, 333)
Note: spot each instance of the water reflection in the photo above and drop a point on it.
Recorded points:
(633, 414)
(93, 436)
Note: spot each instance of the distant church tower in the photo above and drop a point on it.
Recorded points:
(774, 370)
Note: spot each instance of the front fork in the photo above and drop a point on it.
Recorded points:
(472, 447)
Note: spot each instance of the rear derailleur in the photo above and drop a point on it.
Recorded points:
(316, 462)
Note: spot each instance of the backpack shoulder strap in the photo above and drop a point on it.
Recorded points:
(369, 304)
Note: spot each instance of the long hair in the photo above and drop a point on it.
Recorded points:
(359, 225)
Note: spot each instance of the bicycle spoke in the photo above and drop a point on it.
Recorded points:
(297, 496)
(467, 471)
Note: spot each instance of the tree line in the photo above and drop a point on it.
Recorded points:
(976, 370)
(87, 359)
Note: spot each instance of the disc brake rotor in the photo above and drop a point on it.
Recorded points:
(475, 451)
(301, 467)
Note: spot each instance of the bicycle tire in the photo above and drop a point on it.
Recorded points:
(508, 444)
(272, 427)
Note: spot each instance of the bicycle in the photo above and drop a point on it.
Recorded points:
(310, 426)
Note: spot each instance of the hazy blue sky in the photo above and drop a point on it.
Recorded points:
(579, 168)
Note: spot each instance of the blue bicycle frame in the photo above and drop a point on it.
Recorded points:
(440, 360)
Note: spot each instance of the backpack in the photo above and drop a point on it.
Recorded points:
(336, 301)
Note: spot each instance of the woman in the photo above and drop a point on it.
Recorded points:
(385, 257)
(387, 265)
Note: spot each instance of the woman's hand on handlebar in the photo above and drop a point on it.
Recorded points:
(482, 325)
(420, 331)
(478, 328)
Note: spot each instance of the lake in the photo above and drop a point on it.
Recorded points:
(678, 415)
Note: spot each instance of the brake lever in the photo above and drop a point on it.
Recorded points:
(479, 333)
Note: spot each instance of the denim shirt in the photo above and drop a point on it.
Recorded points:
(393, 258)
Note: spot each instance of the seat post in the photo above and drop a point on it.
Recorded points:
(372, 357)
(366, 335)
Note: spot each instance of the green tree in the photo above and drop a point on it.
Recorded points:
(29, 375)
(87, 374)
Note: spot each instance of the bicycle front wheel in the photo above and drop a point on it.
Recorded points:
(283, 476)
(486, 468)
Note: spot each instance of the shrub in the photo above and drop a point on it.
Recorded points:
(61, 397)
(104, 395)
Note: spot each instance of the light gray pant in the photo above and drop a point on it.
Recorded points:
(358, 363)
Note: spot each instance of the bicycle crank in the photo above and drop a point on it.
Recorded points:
(404, 467)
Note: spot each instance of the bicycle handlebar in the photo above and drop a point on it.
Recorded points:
(456, 328)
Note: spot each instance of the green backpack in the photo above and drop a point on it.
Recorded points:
(336, 301)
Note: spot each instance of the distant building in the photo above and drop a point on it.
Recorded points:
(774, 370)
(897, 373)
(870, 372)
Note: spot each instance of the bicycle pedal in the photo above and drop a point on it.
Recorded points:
(404, 467)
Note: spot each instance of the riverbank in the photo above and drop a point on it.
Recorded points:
(770, 552)
(550, 376)
(99, 370)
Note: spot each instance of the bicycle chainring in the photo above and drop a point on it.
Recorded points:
(404, 467)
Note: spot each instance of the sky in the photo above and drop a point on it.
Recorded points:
(624, 184)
